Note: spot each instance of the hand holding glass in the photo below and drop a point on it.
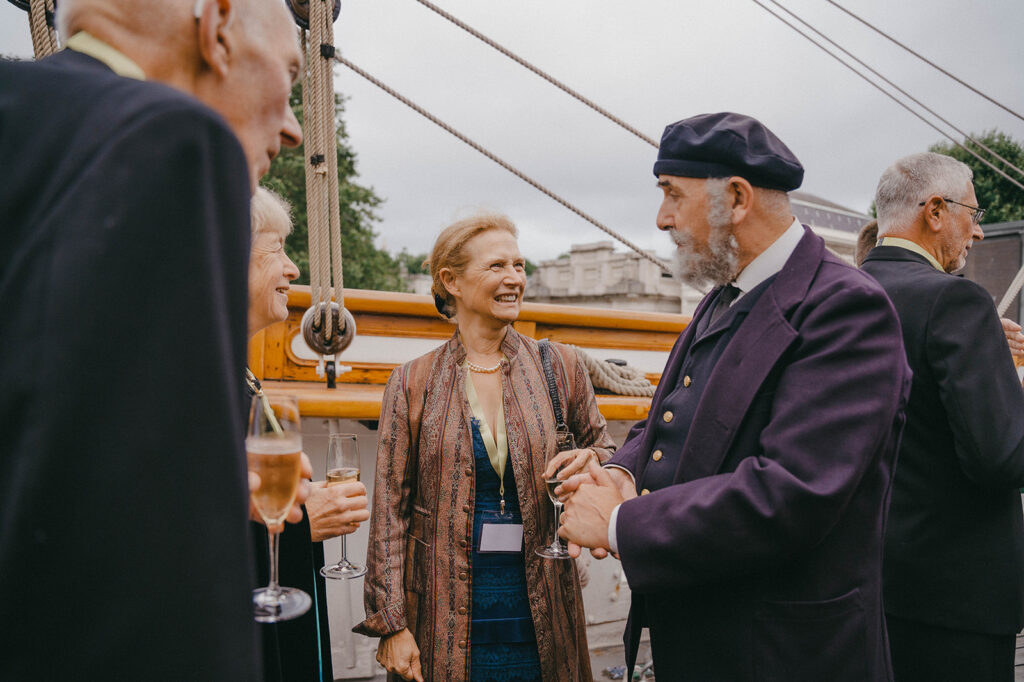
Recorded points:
(342, 465)
(274, 449)
(564, 440)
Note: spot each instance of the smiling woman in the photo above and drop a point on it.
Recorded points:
(467, 428)
(271, 271)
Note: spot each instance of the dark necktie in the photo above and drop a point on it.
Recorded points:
(725, 299)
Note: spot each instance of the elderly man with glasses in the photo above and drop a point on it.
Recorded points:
(953, 570)
(124, 540)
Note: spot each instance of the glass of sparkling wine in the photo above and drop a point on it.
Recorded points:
(273, 446)
(342, 465)
(563, 441)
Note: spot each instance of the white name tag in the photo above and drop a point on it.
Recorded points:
(503, 537)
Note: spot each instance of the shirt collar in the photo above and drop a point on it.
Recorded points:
(911, 246)
(119, 63)
(771, 260)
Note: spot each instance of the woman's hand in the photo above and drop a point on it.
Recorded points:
(295, 513)
(568, 463)
(336, 509)
(399, 654)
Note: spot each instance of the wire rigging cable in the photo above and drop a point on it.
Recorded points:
(1018, 280)
(924, 59)
(890, 95)
(522, 62)
(519, 174)
(900, 90)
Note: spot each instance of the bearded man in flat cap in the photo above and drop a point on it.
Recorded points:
(748, 508)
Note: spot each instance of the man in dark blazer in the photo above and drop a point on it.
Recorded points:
(954, 546)
(124, 240)
(753, 550)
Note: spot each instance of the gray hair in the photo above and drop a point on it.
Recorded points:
(269, 211)
(773, 202)
(912, 180)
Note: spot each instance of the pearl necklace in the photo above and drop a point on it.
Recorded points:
(473, 367)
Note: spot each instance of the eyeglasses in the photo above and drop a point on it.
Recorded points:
(976, 213)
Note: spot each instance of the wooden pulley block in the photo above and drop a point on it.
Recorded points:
(343, 328)
(300, 11)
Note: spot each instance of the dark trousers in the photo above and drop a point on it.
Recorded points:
(929, 653)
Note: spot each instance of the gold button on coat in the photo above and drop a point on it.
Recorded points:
(687, 381)
(656, 456)
(667, 416)
(645, 491)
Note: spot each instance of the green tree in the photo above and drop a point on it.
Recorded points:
(413, 262)
(1002, 200)
(365, 266)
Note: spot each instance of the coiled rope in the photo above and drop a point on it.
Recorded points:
(621, 379)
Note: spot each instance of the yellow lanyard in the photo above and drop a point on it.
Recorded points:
(497, 447)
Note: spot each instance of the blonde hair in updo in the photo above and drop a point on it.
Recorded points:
(450, 252)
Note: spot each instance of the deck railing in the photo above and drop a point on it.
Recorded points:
(393, 328)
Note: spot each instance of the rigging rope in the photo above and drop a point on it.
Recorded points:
(44, 37)
(924, 59)
(522, 176)
(550, 79)
(321, 162)
(1013, 290)
(900, 90)
(890, 95)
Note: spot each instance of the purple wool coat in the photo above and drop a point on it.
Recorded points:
(762, 560)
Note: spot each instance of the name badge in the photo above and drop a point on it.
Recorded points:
(501, 537)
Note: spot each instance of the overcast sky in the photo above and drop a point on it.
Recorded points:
(650, 63)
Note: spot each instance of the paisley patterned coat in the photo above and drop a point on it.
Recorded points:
(419, 562)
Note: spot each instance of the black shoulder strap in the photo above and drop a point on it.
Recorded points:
(544, 346)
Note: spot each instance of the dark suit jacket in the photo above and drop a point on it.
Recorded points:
(124, 239)
(763, 560)
(954, 547)
(297, 650)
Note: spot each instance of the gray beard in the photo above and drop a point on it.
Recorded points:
(712, 265)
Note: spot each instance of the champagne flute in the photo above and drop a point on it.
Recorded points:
(342, 465)
(273, 447)
(564, 440)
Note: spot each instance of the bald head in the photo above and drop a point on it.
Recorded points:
(239, 57)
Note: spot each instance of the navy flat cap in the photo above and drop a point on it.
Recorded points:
(727, 144)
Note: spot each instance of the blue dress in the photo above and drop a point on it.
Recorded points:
(503, 645)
